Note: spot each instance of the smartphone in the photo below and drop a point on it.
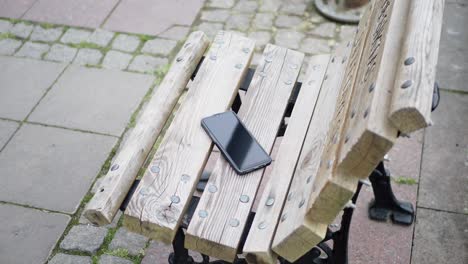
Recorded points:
(235, 142)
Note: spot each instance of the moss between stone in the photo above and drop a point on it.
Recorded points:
(404, 180)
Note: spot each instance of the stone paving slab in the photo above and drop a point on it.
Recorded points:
(14, 8)
(83, 13)
(7, 128)
(51, 168)
(61, 258)
(444, 175)
(93, 99)
(18, 94)
(84, 238)
(28, 235)
(452, 71)
(152, 17)
(440, 237)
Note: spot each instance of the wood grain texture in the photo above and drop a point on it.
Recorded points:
(219, 233)
(293, 236)
(134, 150)
(162, 197)
(411, 106)
(258, 244)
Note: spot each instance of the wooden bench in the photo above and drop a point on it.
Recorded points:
(348, 113)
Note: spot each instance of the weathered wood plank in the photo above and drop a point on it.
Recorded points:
(258, 244)
(412, 95)
(118, 180)
(163, 195)
(222, 212)
(296, 234)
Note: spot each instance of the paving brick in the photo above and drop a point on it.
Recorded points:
(210, 29)
(61, 258)
(61, 53)
(108, 259)
(88, 57)
(22, 30)
(289, 39)
(175, 33)
(28, 235)
(440, 237)
(221, 3)
(134, 243)
(49, 156)
(83, 13)
(75, 36)
(84, 238)
(14, 8)
(238, 21)
(261, 39)
(217, 15)
(445, 157)
(18, 94)
(9, 46)
(270, 5)
(116, 60)
(315, 46)
(46, 34)
(147, 64)
(263, 21)
(5, 26)
(159, 46)
(7, 128)
(157, 252)
(246, 6)
(295, 9)
(324, 30)
(152, 17)
(288, 21)
(101, 37)
(93, 99)
(33, 50)
(126, 43)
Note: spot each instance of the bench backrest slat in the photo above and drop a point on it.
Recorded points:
(258, 244)
(219, 233)
(162, 197)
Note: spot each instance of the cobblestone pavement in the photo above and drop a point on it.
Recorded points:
(75, 74)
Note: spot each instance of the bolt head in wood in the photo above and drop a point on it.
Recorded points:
(185, 178)
(234, 222)
(407, 84)
(246, 50)
(270, 201)
(115, 167)
(154, 169)
(238, 66)
(213, 57)
(409, 61)
(175, 199)
(144, 191)
(212, 188)
(244, 198)
(202, 213)
(293, 66)
(268, 59)
(262, 225)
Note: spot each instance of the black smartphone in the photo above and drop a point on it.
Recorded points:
(235, 142)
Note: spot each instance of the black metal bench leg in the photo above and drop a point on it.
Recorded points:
(180, 254)
(385, 203)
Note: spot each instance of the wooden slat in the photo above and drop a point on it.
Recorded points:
(162, 197)
(411, 106)
(219, 233)
(258, 244)
(288, 241)
(118, 180)
(296, 234)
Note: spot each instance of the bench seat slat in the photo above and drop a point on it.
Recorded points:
(219, 233)
(163, 195)
(134, 150)
(411, 106)
(258, 244)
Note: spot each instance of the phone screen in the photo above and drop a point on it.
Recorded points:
(235, 142)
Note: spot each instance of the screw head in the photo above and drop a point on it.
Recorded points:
(238, 66)
(213, 57)
(212, 188)
(409, 61)
(202, 213)
(293, 66)
(288, 82)
(144, 191)
(270, 201)
(244, 198)
(115, 167)
(262, 74)
(262, 225)
(245, 50)
(234, 222)
(268, 59)
(154, 169)
(407, 84)
(185, 178)
(175, 199)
